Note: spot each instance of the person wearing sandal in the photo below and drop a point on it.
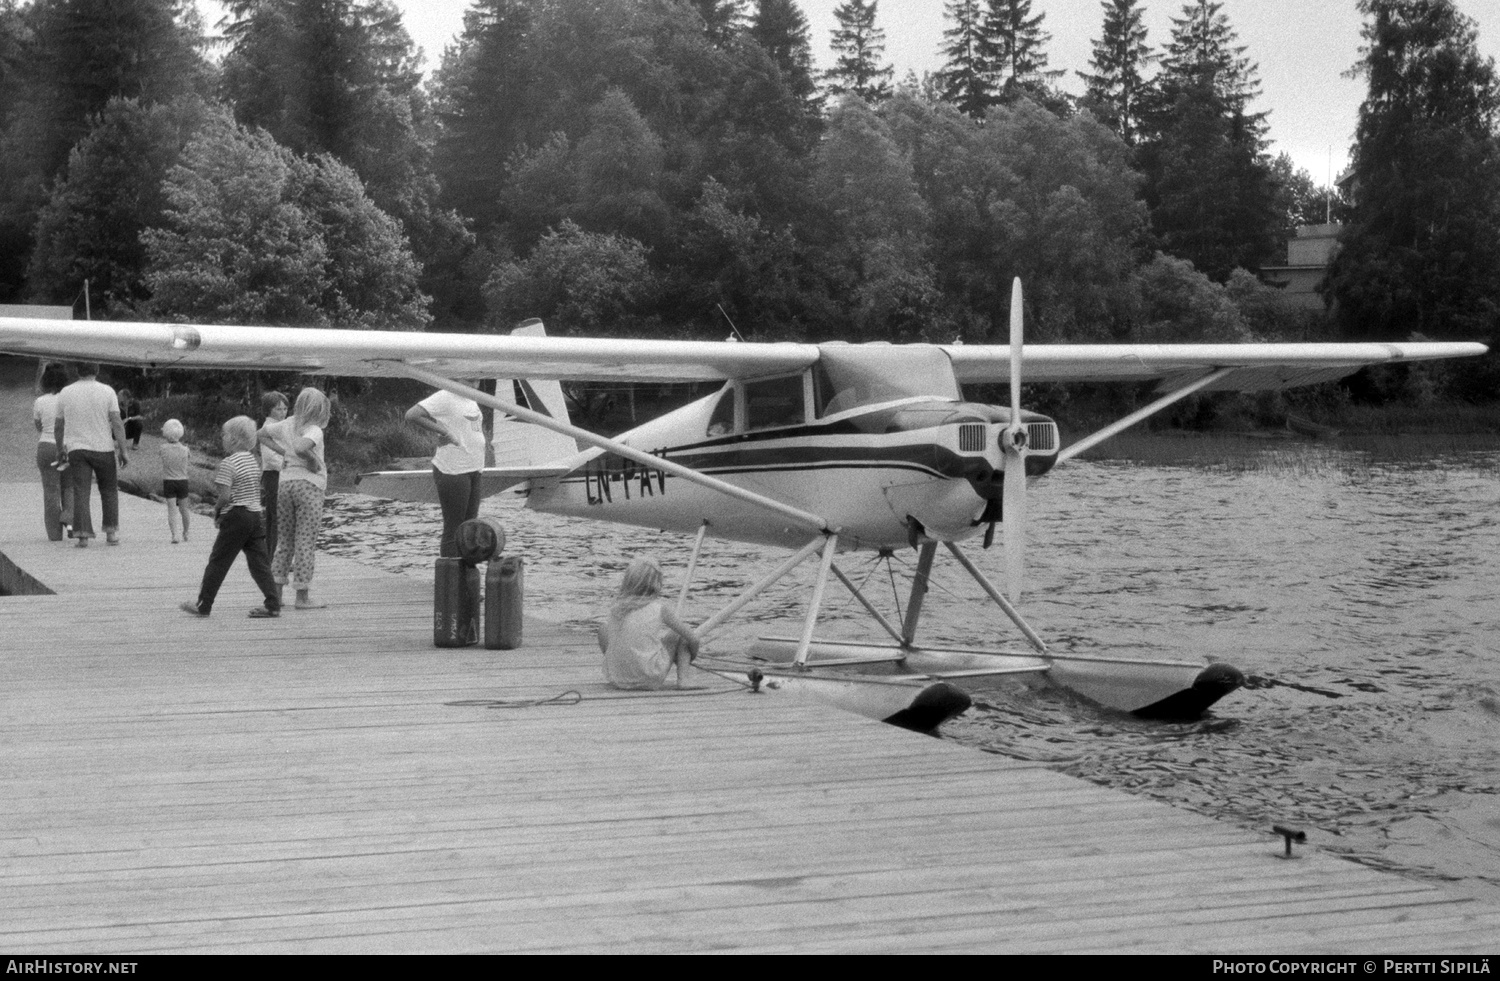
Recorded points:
(241, 523)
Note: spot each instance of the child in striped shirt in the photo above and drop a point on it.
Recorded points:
(241, 525)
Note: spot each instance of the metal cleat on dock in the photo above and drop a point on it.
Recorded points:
(1290, 835)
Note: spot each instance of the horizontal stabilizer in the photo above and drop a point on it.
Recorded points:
(418, 485)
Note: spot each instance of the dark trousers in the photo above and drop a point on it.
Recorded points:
(240, 530)
(84, 466)
(270, 486)
(57, 492)
(458, 494)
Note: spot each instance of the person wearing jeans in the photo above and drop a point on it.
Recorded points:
(89, 431)
(459, 427)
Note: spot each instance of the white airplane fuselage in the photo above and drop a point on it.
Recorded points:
(870, 472)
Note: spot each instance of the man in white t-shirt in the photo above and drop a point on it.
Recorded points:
(89, 432)
(459, 426)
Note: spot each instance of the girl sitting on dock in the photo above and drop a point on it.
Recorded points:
(641, 638)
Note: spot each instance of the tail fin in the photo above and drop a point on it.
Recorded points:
(521, 444)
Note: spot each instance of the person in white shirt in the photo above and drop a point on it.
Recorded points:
(89, 431)
(459, 426)
(299, 497)
(57, 492)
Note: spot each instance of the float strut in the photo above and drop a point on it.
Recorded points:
(1031, 635)
(919, 586)
(869, 607)
(775, 576)
(830, 545)
(687, 578)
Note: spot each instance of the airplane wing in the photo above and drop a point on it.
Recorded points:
(1246, 367)
(321, 351)
(1250, 367)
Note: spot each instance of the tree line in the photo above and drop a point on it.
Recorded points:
(667, 167)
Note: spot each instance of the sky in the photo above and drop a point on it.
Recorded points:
(1303, 49)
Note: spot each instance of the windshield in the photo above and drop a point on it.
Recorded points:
(849, 375)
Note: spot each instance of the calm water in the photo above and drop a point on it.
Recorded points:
(1359, 596)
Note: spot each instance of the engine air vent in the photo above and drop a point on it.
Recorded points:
(971, 437)
(1041, 436)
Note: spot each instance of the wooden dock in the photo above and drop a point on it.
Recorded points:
(311, 784)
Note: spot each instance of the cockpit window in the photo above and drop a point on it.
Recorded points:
(721, 423)
(848, 376)
(774, 402)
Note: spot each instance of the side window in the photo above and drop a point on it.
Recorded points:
(774, 402)
(721, 423)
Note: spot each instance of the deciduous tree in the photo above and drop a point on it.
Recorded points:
(90, 228)
(256, 234)
(579, 282)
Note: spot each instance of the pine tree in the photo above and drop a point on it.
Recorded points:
(1120, 59)
(967, 77)
(858, 44)
(781, 29)
(1203, 52)
(483, 87)
(90, 51)
(1420, 250)
(308, 71)
(1015, 43)
(1208, 183)
(722, 19)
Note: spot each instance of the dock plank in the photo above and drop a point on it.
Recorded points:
(331, 782)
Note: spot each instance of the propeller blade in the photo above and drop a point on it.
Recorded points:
(1013, 504)
(1016, 332)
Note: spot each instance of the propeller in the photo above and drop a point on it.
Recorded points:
(1013, 444)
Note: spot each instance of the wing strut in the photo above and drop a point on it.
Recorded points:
(1115, 427)
(830, 545)
(804, 518)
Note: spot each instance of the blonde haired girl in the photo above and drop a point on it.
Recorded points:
(635, 636)
(299, 497)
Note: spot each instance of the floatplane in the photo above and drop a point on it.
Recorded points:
(818, 449)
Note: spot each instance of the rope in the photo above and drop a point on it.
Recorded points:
(574, 697)
(496, 703)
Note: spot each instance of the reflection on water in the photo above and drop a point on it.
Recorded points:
(1357, 594)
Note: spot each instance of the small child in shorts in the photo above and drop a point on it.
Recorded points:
(174, 479)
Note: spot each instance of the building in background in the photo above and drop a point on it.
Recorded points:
(1307, 258)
